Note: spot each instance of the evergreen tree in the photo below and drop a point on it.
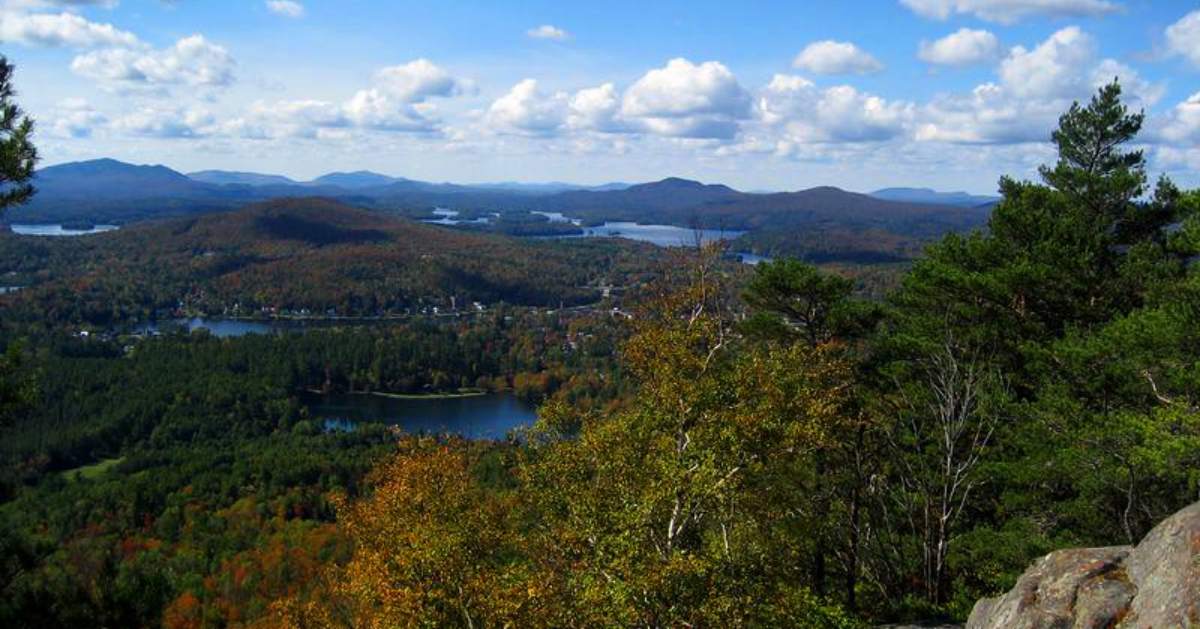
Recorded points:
(17, 153)
(1092, 167)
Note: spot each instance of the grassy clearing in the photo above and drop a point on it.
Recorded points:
(93, 471)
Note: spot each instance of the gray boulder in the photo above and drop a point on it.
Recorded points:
(1151, 586)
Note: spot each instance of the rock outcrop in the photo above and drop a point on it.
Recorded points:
(1153, 585)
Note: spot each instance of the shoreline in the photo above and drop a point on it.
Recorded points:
(414, 396)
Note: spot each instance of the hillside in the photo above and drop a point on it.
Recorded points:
(311, 253)
(819, 224)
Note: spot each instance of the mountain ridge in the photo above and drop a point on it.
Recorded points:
(929, 195)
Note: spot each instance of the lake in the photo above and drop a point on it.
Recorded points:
(217, 327)
(58, 230)
(240, 327)
(489, 416)
(661, 235)
(450, 217)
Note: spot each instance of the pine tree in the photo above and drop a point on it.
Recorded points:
(1091, 166)
(17, 153)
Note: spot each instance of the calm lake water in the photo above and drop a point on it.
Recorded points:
(58, 230)
(661, 235)
(488, 416)
(240, 327)
(217, 327)
(450, 217)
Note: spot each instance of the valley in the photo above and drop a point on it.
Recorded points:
(268, 387)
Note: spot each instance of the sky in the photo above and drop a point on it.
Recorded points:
(948, 94)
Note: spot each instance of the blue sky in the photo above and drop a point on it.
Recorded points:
(770, 95)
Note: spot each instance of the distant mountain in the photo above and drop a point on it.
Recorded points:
(111, 191)
(927, 195)
(549, 187)
(233, 177)
(641, 200)
(356, 179)
(820, 223)
(111, 178)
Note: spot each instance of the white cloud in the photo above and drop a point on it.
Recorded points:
(961, 48)
(1010, 11)
(683, 99)
(989, 114)
(525, 110)
(372, 109)
(396, 102)
(191, 61)
(419, 80)
(1052, 69)
(1036, 86)
(61, 29)
(1183, 38)
(74, 118)
(167, 122)
(289, 118)
(1182, 124)
(808, 114)
(597, 109)
(286, 8)
(547, 31)
(834, 57)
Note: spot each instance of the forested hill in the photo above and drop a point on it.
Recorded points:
(305, 254)
(107, 189)
(681, 201)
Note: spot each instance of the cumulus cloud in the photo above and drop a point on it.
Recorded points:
(397, 101)
(167, 122)
(287, 118)
(1010, 11)
(1182, 123)
(526, 110)
(418, 80)
(373, 109)
(834, 57)
(961, 48)
(683, 99)
(74, 118)
(597, 109)
(61, 29)
(547, 31)
(1052, 68)
(191, 61)
(808, 114)
(1183, 38)
(1035, 86)
(286, 8)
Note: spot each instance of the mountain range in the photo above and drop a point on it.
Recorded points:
(926, 195)
(794, 223)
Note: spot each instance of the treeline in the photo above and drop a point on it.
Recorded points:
(828, 461)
